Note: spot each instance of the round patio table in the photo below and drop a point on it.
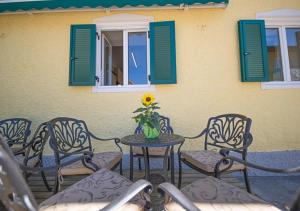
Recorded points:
(164, 140)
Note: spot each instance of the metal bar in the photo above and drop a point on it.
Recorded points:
(172, 165)
(131, 164)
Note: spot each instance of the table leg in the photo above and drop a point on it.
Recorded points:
(131, 164)
(172, 165)
(146, 161)
(166, 162)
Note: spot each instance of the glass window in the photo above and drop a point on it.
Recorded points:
(124, 62)
(112, 58)
(137, 58)
(274, 52)
(293, 44)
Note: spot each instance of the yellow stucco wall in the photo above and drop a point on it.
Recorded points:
(34, 76)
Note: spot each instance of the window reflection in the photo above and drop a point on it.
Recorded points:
(137, 58)
(293, 42)
(274, 52)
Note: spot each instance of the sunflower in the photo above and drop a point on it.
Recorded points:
(147, 99)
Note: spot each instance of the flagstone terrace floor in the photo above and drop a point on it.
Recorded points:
(277, 190)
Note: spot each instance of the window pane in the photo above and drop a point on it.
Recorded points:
(274, 51)
(293, 41)
(112, 58)
(137, 58)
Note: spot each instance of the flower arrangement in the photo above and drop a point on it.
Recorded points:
(147, 116)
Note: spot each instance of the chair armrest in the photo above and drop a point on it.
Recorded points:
(116, 140)
(54, 167)
(132, 191)
(231, 159)
(198, 136)
(177, 195)
(23, 149)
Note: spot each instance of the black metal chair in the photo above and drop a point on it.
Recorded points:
(156, 152)
(16, 131)
(34, 151)
(103, 190)
(228, 131)
(71, 137)
(213, 194)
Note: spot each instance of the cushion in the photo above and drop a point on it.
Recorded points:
(207, 160)
(103, 160)
(93, 193)
(211, 194)
(156, 151)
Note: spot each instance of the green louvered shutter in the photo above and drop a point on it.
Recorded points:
(82, 55)
(162, 53)
(253, 51)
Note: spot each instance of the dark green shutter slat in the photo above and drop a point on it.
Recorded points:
(253, 51)
(162, 53)
(82, 55)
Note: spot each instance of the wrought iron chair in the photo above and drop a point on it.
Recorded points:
(156, 152)
(228, 131)
(34, 151)
(16, 131)
(211, 193)
(71, 137)
(103, 190)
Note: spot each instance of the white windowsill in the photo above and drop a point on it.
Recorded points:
(132, 88)
(281, 85)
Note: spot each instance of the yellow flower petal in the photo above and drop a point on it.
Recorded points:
(148, 99)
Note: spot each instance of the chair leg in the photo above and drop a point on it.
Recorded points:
(121, 167)
(169, 163)
(140, 164)
(45, 181)
(180, 172)
(245, 171)
(56, 183)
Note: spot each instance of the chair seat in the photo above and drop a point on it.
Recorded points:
(154, 151)
(207, 160)
(211, 194)
(31, 163)
(93, 193)
(103, 160)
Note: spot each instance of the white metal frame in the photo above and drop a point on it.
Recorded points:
(101, 75)
(126, 23)
(282, 19)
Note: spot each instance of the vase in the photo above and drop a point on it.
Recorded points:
(150, 132)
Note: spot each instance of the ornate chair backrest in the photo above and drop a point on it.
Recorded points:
(228, 130)
(69, 136)
(16, 131)
(37, 143)
(14, 191)
(165, 126)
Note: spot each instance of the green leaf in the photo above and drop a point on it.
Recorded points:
(140, 110)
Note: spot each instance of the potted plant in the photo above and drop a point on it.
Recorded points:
(147, 117)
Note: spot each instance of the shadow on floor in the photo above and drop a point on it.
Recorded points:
(279, 190)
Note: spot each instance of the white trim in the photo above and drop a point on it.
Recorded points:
(281, 85)
(130, 88)
(286, 17)
(127, 23)
(282, 19)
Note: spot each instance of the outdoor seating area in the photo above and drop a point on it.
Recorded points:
(155, 105)
(106, 189)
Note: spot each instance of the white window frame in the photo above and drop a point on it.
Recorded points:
(282, 19)
(126, 23)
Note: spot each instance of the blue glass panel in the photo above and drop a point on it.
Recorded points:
(137, 58)
(293, 42)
